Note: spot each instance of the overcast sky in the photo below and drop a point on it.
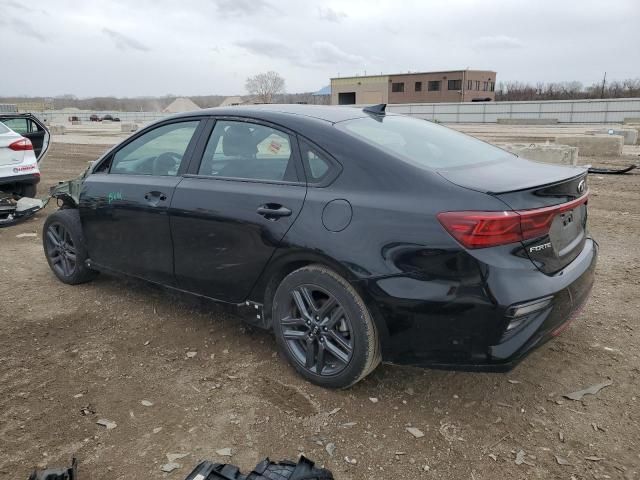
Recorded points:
(200, 47)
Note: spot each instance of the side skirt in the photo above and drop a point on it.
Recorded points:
(251, 312)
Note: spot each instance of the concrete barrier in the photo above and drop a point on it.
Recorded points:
(545, 152)
(636, 127)
(630, 135)
(628, 120)
(527, 121)
(76, 122)
(594, 145)
(57, 129)
(128, 127)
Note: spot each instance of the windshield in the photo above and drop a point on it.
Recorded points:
(421, 142)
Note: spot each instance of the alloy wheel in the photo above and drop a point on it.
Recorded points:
(61, 249)
(317, 330)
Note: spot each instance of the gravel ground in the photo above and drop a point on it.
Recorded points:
(70, 356)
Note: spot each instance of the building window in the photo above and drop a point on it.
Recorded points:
(418, 86)
(478, 85)
(397, 87)
(492, 86)
(469, 84)
(454, 85)
(433, 86)
(485, 86)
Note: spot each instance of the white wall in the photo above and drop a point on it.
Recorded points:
(566, 111)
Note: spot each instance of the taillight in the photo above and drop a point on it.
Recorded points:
(22, 144)
(489, 229)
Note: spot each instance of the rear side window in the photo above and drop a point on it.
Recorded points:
(421, 142)
(21, 125)
(249, 151)
(157, 152)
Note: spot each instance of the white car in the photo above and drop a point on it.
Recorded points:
(24, 140)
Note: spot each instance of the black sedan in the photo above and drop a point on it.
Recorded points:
(356, 236)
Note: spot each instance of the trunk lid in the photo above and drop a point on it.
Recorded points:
(539, 192)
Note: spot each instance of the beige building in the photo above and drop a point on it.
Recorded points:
(424, 87)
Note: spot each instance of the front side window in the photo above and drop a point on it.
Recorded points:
(421, 142)
(158, 152)
(248, 150)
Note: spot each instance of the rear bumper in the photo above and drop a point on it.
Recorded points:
(467, 332)
(29, 179)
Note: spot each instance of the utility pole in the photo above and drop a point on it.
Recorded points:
(604, 80)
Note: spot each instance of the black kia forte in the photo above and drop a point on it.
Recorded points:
(356, 236)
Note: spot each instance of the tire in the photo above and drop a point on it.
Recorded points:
(64, 247)
(27, 190)
(324, 328)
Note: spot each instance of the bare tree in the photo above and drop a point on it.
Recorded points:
(264, 86)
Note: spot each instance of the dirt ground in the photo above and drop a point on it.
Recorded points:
(70, 356)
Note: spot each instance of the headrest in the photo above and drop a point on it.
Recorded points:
(238, 141)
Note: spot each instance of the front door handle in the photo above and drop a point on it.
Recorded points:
(273, 211)
(154, 197)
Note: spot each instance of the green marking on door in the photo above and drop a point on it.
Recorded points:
(113, 196)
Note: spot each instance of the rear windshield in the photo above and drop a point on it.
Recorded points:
(3, 128)
(421, 142)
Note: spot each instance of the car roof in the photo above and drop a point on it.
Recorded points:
(325, 113)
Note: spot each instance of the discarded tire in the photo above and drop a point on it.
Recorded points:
(265, 470)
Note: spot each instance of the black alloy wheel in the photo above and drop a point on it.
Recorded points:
(324, 328)
(64, 247)
(317, 330)
(61, 250)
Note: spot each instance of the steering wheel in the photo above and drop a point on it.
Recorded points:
(166, 162)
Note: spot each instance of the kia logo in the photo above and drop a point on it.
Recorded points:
(581, 186)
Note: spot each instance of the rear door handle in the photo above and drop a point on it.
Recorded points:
(273, 211)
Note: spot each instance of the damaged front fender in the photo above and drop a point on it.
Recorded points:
(68, 192)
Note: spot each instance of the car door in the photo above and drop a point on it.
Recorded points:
(124, 203)
(234, 206)
(29, 127)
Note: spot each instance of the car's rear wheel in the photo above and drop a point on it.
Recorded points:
(324, 328)
(64, 247)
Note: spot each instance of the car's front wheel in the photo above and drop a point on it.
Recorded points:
(64, 247)
(324, 328)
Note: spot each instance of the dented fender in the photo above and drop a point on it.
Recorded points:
(68, 192)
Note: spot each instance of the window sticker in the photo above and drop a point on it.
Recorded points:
(274, 147)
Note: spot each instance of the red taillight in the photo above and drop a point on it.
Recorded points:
(22, 144)
(488, 229)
